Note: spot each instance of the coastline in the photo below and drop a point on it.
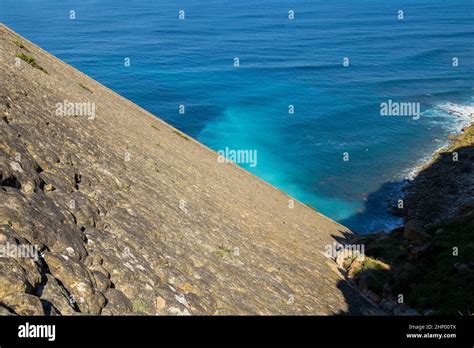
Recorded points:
(438, 213)
(452, 140)
(432, 176)
(465, 121)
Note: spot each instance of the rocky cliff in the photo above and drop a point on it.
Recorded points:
(444, 187)
(129, 215)
(427, 267)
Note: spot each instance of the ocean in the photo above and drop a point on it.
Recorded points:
(301, 83)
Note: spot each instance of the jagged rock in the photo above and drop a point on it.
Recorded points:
(76, 279)
(345, 258)
(17, 273)
(23, 304)
(117, 303)
(5, 311)
(443, 189)
(13, 278)
(58, 296)
(102, 282)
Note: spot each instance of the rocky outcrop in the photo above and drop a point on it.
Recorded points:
(443, 188)
(120, 213)
(431, 258)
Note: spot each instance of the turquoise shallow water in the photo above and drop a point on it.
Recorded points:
(282, 62)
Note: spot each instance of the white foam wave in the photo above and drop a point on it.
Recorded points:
(458, 116)
(463, 115)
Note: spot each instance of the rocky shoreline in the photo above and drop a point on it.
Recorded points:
(443, 189)
(425, 267)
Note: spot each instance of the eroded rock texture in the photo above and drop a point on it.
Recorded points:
(444, 189)
(131, 216)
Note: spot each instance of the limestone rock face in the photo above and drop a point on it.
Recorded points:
(125, 214)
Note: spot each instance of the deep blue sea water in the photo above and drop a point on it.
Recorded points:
(283, 62)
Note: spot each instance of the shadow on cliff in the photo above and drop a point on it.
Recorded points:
(389, 193)
(378, 211)
(441, 201)
(356, 303)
